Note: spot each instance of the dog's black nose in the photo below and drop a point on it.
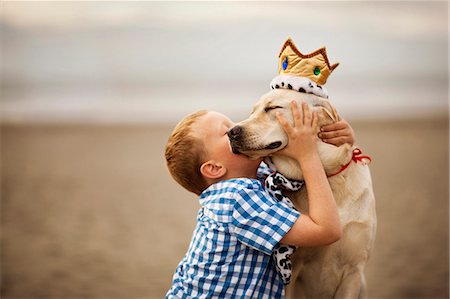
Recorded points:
(235, 132)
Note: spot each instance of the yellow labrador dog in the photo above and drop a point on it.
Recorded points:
(337, 270)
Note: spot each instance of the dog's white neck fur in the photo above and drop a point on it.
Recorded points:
(332, 157)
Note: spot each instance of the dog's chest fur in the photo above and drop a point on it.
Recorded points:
(352, 190)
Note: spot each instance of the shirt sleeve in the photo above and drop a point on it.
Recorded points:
(259, 221)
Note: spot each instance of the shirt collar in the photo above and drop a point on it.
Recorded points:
(226, 186)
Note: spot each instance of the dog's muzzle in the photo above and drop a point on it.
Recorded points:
(235, 136)
(238, 145)
(235, 133)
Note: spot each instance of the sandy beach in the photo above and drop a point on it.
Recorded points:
(91, 211)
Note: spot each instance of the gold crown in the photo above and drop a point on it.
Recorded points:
(314, 66)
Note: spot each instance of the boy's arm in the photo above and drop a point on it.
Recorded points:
(338, 133)
(322, 225)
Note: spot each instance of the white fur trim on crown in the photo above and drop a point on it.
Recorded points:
(300, 84)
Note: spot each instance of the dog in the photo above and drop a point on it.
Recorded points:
(336, 270)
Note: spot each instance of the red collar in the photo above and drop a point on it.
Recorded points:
(356, 156)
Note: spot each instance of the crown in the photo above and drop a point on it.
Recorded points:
(314, 66)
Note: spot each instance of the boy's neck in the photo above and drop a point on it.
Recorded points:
(229, 176)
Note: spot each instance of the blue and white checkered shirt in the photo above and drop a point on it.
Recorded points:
(238, 226)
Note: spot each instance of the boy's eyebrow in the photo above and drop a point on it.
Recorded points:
(228, 123)
(227, 126)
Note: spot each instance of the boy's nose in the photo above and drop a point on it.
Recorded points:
(235, 132)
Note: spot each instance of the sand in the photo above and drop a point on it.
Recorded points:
(91, 211)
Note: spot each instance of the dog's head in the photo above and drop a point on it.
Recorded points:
(261, 134)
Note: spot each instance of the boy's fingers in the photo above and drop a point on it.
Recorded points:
(284, 123)
(314, 120)
(333, 127)
(333, 134)
(306, 114)
(295, 113)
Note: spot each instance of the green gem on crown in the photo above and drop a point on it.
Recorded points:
(316, 71)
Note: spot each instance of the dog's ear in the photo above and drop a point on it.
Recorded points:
(336, 115)
(329, 115)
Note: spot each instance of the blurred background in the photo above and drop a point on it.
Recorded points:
(90, 92)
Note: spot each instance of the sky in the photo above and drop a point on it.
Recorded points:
(157, 61)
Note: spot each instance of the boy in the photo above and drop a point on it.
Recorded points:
(239, 224)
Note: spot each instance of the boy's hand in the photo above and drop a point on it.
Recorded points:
(302, 135)
(338, 133)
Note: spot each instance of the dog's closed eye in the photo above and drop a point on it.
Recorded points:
(267, 109)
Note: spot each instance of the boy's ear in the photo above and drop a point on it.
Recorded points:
(212, 170)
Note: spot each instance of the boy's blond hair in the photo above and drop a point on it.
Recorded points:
(185, 154)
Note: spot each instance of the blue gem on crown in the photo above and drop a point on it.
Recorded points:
(285, 63)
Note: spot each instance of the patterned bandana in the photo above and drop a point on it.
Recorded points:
(275, 183)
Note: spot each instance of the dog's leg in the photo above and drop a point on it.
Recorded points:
(295, 290)
(351, 286)
(363, 291)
